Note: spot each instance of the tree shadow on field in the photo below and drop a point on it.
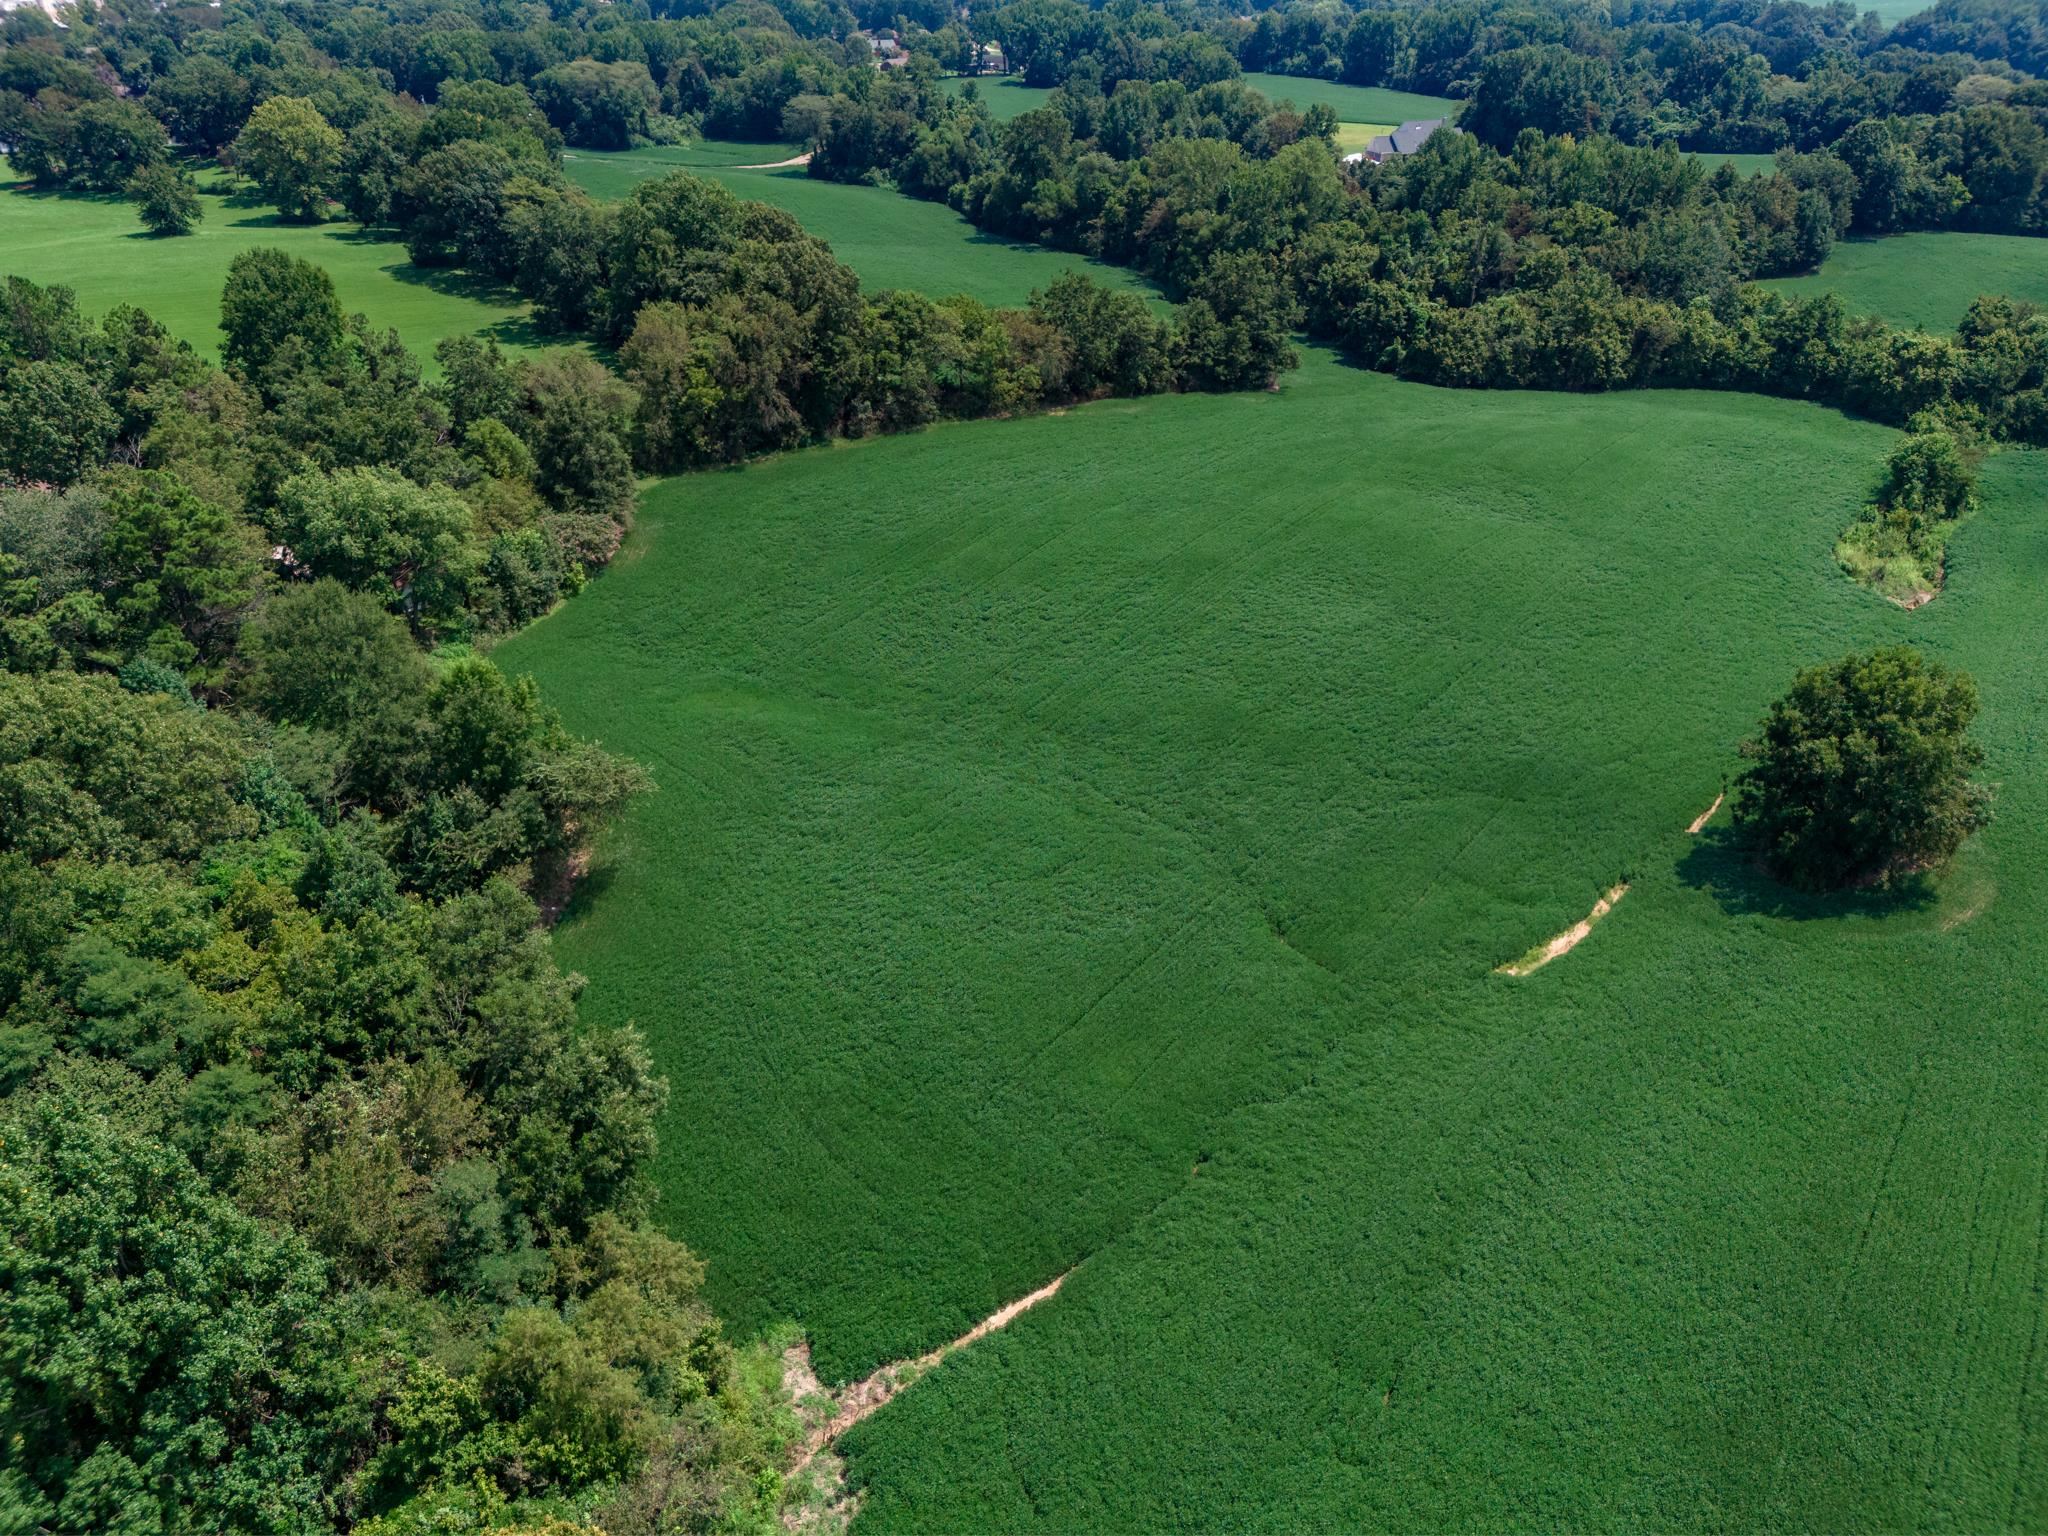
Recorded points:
(1720, 864)
(516, 329)
(588, 890)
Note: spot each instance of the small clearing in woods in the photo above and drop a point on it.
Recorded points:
(1536, 959)
(1699, 822)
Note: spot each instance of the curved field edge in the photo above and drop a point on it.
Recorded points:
(1092, 836)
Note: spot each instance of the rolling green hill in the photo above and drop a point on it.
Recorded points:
(1088, 840)
(1007, 96)
(1745, 165)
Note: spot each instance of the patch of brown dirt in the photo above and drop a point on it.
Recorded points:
(778, 165)
(820, 1504)
(1699, 822)
(1567, 941)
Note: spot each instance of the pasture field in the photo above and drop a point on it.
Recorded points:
(1353, 103)
(1927, 280)
(1088, 840)
(98, 246)
(891, 240)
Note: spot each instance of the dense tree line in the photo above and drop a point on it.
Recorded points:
(318, 1206)
(1558, 263)
(742, 331)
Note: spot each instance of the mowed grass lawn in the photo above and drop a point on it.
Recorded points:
(891, 240)
(1356, 136)
(1006, 96)
(1088, 839)
(98, 247)
(1928, 280)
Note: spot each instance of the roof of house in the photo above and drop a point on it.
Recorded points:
(1379, 146)
(1412, 135)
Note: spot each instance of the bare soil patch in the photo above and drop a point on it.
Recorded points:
(1699, 822)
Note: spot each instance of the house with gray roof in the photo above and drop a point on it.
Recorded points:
(1404, 140)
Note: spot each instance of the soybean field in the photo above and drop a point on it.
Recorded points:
(1085, 844)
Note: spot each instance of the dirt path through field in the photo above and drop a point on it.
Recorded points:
(827, 1508)
(870, 1393)
(778, 165)
(1699, 822)
(1565, 942)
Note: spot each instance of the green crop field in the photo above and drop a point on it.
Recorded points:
(1928, 280)
(1352, 103)
(99, 247)
(892, 241)
(1088, 840)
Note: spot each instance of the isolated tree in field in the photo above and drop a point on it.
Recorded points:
(167, 199)
(1862, 771)
(269, 297)
(292, 153)
(1928, 475)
